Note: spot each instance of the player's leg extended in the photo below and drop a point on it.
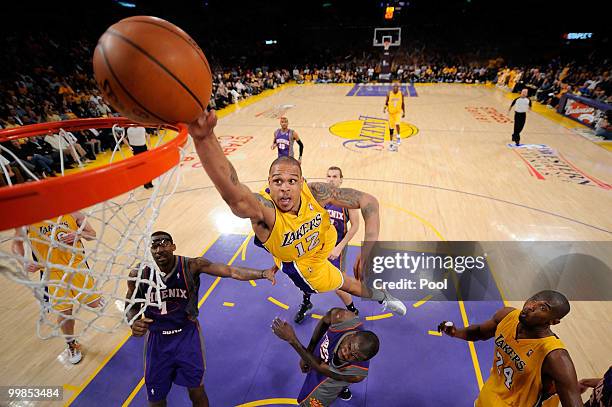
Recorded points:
(327, 277)
(346, 298)
(353, 286)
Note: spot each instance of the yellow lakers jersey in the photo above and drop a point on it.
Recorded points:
(516, 376)
(307, 237)
(42, 234)
(395, 102)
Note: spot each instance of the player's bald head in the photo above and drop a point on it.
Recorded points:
(558, 302)
(285, 161)
(368, 343)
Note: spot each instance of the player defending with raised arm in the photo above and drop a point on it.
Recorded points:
(291, 222)
(530, 361)
(174, 348)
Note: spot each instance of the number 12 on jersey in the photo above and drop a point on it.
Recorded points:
(313, 239)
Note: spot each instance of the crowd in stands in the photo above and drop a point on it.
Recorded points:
(548, 84)
(49, 79)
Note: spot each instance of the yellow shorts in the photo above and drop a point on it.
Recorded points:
(314, 278)
(65, 287)
(394, 119)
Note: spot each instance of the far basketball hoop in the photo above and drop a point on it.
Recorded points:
(387, 37)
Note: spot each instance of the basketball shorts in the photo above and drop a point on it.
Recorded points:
(394, 119)
(65, 287)
(174, 357)
(314, 278)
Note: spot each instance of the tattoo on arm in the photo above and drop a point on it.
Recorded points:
(368, 210)
(233, 174)
(321, 191)
(265, 202)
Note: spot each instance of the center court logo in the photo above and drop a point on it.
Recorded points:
(368, 132)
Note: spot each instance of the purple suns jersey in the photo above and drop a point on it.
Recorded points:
(339, 218)
(284, 142)
(321, 389)
(179, 298)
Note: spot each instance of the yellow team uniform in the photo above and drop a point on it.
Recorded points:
(63, 285)
(302, 243)
(394, 107)
(516, 376)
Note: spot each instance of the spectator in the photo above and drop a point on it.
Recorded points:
(61, 143)
(13, 172)
(38, 164)
(603, 128)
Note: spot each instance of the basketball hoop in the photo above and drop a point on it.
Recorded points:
(109, 197)
(386, 44)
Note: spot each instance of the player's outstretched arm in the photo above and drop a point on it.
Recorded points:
(285, 332)
(221, 172)
(350, 198)
(202, 265)
(559, 366)
(476, 332)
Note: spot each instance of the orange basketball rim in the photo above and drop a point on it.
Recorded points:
(31, 202)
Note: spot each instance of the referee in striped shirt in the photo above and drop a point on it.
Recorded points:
(521, 105)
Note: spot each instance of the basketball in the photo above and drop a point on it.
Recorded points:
(152, 72)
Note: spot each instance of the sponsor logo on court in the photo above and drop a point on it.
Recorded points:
(275, 112)
(368, 132)
(487, 114)
(229, 144)
(544, 162)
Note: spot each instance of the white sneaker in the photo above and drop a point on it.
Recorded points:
(74, 352)
(392, 147)
(394, 305)
(399, 141)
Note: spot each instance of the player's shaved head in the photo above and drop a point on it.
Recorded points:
(558, 302)
(368, 343)
(287, 161)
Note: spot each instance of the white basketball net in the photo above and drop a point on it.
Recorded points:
(96, 268)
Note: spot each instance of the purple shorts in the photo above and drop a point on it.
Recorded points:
(173, 357)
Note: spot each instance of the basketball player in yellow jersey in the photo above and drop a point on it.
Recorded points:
(291, 221)
(395, 105)
(529, 360)
(59, 242)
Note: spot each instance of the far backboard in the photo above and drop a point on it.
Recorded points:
(393, 35)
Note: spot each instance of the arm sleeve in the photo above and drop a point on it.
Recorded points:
(301, 147)
(513, 102)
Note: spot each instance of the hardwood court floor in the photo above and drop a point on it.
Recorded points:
(456, 178)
